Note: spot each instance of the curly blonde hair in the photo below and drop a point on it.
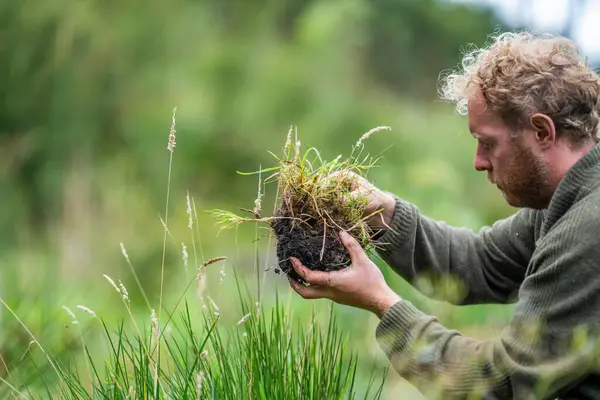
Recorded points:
(524, 73)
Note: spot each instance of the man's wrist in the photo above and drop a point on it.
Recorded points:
(385, 303)
(383, 219)
(390, 209)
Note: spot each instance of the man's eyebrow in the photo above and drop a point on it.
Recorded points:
(476, 135)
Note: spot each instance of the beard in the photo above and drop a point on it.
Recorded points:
(525, 181)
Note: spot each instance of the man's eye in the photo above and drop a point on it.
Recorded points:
(485, 145)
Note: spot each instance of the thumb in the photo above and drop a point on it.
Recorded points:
(357, 254)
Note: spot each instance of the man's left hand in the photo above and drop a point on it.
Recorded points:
(360, 285)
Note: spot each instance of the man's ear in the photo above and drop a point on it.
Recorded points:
(545, 131)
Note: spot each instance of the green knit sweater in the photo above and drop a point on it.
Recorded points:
(547, 262)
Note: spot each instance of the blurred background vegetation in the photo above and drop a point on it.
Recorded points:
(88, 91)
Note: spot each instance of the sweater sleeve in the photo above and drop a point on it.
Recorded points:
(489, 265)
(548, 346)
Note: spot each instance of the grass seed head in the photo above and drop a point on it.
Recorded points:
(155, 324)
(184, 255)
(189, 211)
(199, 382)
(371, 132)
(243, 319)
(87, 310)
(213, 260)
(112, 282)
(171, 144)
(74, 320)
(124, 292)
(123, 251)
(201, 285)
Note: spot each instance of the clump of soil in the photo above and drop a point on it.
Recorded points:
(309, 217)
(306, 244)
(316, 203)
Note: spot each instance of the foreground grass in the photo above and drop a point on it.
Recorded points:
(265, 355)
(187, 351)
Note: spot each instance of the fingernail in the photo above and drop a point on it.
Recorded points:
(294, 261)
(344, 235)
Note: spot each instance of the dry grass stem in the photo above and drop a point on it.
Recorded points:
(14, 389)
(197, 234)
(199, 383)
(170, 146)
(132, 270)
(167, 231)
(34, 339)
(5, 366)
(75, 321)
(31, 343)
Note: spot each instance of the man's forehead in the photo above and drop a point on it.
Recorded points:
(480, 117)
(476, 105)
(477, 115)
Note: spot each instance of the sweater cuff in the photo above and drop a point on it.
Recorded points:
(403, 221)
(397, 325)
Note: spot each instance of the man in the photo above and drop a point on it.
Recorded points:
(533, 107)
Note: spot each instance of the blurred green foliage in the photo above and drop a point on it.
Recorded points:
(87, 98)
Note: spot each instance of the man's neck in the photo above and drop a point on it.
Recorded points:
(564, 157)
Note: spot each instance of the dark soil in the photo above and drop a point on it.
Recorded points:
(304, 240)
(306, 245)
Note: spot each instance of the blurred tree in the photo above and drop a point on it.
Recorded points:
(90, 86)
(411, 41)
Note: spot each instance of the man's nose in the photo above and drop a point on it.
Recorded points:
(481, 162)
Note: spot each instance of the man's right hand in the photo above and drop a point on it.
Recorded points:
(380, 208)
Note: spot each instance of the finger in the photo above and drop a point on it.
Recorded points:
(348, 176)
(332, 180)
(340, 173)
(320, 278)
(357, 254)
(353, 180)
(309, 292)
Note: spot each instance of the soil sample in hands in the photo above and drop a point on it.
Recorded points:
(312, 211)
(315, 203)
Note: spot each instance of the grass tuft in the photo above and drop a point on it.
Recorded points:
(316, 200)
